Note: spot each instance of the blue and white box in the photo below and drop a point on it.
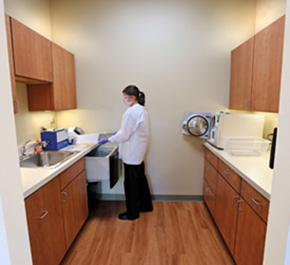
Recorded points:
(55, 140)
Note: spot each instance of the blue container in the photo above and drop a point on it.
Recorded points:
(55, 140)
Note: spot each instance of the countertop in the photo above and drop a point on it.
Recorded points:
(253, 169)
(35, 178)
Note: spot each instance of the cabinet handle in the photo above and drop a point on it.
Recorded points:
(247, 103)
(208, 155)
(66, 196)
(45, 213)
(235, 204)
(226, 172)
(208, 169)
(256, 202)
(207, 190)
(238, 205)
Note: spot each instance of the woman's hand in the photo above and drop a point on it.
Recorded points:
(103, 141)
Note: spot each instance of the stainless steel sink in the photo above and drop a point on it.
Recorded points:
(46, 159)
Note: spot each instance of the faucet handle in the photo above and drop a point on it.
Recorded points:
(26, 142)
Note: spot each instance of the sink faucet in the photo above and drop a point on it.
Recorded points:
(24, 148)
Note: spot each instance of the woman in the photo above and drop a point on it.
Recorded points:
(133, 140)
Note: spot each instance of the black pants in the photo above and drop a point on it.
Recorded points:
(137, 193)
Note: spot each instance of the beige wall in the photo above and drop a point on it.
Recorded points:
(177, 52)
(28, 123)
(268, 11)
(33, 13)
(36, 15)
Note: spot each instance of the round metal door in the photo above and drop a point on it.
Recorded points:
(197, 125)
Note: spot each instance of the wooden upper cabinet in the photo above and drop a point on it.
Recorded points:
(250, 238)
(256, 67)
(241, 76)
(61, 94)
(32, 54)
(45, 224)
(11, 63)
(64, 87)
(268, 53)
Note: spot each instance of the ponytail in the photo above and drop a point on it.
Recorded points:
(141, 98)
(132, 90)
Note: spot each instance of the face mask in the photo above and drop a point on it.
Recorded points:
(126, 102)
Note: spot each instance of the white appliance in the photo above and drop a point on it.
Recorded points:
(217, 127)
(102, 164)
(197, 124)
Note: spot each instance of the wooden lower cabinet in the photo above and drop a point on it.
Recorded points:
(209, 197)
(240, 213)
(56, 215)
(250, 237)
(45, 224)
(75, 207)
(226, 212)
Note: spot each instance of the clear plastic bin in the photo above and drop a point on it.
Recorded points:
(246, 146)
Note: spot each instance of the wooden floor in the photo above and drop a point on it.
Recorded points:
(175, 233)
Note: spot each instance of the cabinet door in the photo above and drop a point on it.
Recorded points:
(45, 224)
(32, 53)
(75, 207)
(241, 76)
(64, 78)
(250, 238)
(268, 53)
(226, 212)
(209, 197)
(11, 63)
(61, 95)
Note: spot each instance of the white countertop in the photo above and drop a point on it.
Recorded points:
(253, 169)
(34, 178)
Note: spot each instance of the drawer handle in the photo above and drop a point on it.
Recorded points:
(256, 202)
(45, 213)
(226, 172)
(66, 196)
(234, 198)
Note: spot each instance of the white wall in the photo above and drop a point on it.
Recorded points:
(279, 215)
(14, 247)
(177, 52)
(36, 15)
(268, 11)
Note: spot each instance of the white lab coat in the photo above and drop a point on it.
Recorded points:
(133, 135)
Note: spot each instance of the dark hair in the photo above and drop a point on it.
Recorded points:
(132, 90)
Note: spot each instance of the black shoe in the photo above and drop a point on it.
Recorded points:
(124, 216)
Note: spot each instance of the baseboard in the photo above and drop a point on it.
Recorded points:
(121, 197)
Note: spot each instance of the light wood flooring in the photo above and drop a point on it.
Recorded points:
(175, 233)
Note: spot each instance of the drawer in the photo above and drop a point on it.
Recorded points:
(209, 197)
(213, 159)
(257, 201)
(69, 174)
(231, 176)
(210, 175)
